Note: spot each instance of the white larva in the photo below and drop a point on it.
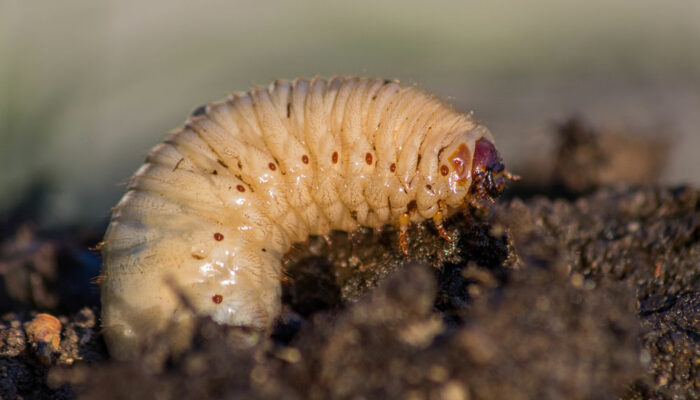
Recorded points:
(217, 204)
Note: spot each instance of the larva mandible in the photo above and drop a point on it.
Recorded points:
(221, 199)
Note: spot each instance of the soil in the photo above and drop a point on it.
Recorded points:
(584, 287)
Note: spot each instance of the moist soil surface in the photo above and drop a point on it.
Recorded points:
(577, 289)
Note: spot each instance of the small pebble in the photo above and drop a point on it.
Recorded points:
(44, 334)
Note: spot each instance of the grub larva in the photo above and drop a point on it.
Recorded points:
(217, 204)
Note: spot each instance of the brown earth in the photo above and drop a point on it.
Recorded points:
(585, 287)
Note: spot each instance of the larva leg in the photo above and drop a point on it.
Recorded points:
(438, 217)
(404, 223)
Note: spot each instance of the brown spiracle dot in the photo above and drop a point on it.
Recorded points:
(444, 170)
(240, 188)
(305, 159)
(392, 167)
(217, 298)
(368, 158)
(334, 158)
(218, 237)
(272, 166)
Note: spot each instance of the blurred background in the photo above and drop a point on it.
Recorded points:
(86, 88)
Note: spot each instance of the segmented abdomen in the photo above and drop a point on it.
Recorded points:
(217, 204)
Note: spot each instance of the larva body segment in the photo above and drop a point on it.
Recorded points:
(206, 221)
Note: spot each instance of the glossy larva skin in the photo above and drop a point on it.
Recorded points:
(209, 215)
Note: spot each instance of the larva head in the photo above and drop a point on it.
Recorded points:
(472, 167)
(488, 172)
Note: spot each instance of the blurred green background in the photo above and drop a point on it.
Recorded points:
(86, 87)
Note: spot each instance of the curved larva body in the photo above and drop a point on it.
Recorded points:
(218, 203)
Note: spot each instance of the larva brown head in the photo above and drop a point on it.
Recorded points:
(487, 172)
